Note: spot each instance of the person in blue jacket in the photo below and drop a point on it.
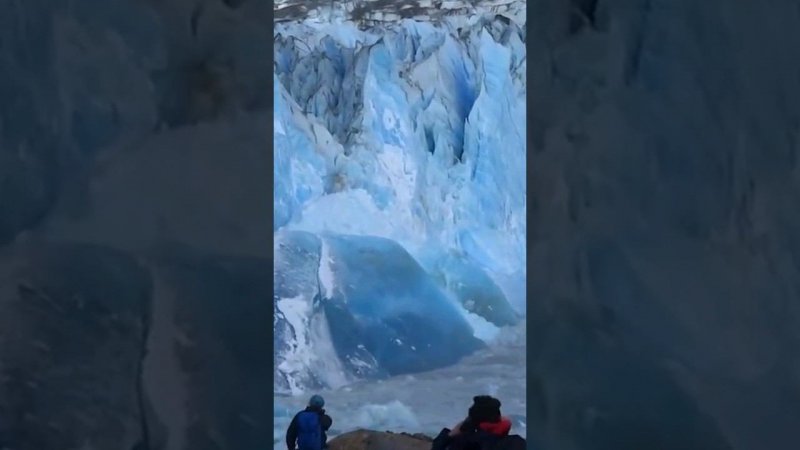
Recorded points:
(308, 428)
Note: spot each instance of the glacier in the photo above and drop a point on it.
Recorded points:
(400, 194)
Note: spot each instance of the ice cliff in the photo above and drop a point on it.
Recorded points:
(399, 193)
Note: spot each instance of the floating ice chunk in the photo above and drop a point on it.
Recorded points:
(386, 298)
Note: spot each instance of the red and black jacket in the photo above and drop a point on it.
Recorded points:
(500, 428)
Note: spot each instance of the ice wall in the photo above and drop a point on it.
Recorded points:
(400, 138)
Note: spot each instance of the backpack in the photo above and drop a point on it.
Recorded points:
(309, 431)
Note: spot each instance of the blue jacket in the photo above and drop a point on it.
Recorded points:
(307, 430)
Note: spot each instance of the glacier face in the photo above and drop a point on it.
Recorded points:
(399, 174)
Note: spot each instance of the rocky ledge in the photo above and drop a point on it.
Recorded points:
(380, 440)
(387, 440)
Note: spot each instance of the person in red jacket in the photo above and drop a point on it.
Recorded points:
(484, 427)
(484, 415)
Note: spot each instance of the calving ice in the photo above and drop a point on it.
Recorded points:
(399, 199)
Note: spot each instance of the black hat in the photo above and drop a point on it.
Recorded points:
(485, 408)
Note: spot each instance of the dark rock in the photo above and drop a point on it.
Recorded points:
(376, 440)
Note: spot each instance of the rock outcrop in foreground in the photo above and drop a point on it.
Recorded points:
(386, 440)
(379, 440)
